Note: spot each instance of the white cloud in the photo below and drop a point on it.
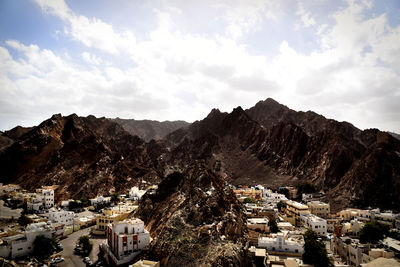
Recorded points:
(91, 32)
(174, 74)
(91, 59)
(305, 16)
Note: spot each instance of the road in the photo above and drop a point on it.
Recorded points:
(69, 244)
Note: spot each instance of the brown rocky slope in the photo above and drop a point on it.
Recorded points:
(148, 129)
(195, 220)
(85, 156)
(268, 144)
(286, 147)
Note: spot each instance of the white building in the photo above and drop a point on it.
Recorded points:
(272, 197)
(4, 189)
(314, 222)
(21, 245)
(388, 218)
(61, 216)
(258, 224)
(100, 200)
(43, 199)
(278, 243)
(135, 193)
(125, 240)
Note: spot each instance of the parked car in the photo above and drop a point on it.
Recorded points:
(59, 247)
(100, 264)
(86, 259)
(77, 250)
(57, 260)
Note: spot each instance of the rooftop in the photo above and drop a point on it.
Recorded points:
(297, 205)
(316, 202)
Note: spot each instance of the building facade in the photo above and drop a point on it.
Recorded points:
(61, 216)
(43, 199)
(296, 209)
(280, 244)
(319, 208)
(21, 244)
(315, 223)
(125, 240)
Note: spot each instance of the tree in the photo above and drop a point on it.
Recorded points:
(74, 205)
(115, 198)
(249, 200)
(23, 220)
(305, 188)
(43, 247)
(284, 191)
(315, 250)
(373, 231)
(273, 226)
(281, 205)
(85, 244)
(85, 202)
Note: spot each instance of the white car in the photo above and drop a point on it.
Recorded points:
(57, 260)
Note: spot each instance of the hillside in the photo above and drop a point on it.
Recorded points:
(273, 145)
(148, 129)
(268, 144)
(195, 219)
(86, 156)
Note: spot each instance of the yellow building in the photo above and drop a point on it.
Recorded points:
(295, 209)
(248, 192)
(319, 208)
(113, 215)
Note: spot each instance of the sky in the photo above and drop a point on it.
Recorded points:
(178, 59)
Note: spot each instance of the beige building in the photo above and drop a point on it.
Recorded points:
(348, 214)
(113, 215)
(146, 263)
(295, 209)
(248, 192)
(319, 208)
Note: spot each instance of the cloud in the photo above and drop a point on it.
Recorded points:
(305, 16)
(91, 59)
(175, 72)
(91, 32)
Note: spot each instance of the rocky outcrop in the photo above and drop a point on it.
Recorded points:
(85, 156)
(195, 220)
(268, 144)
(148, 129)
(275, 146)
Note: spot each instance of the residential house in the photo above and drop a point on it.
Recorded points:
(125, 240)
(319, 208)
(279, 243)
(315, 223)
(61, 216)
(21, 244)
(295, 209)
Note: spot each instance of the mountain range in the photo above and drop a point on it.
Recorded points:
(267, 144)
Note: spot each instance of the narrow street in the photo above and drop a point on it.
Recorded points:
(68, 244)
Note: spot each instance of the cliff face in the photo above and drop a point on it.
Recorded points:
(85, 156)
(148, 130)
(195, 220)
(268, 144)
(273, 145)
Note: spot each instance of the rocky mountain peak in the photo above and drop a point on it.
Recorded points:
(191, 214)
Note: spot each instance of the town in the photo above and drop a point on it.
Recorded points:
(282, 228)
